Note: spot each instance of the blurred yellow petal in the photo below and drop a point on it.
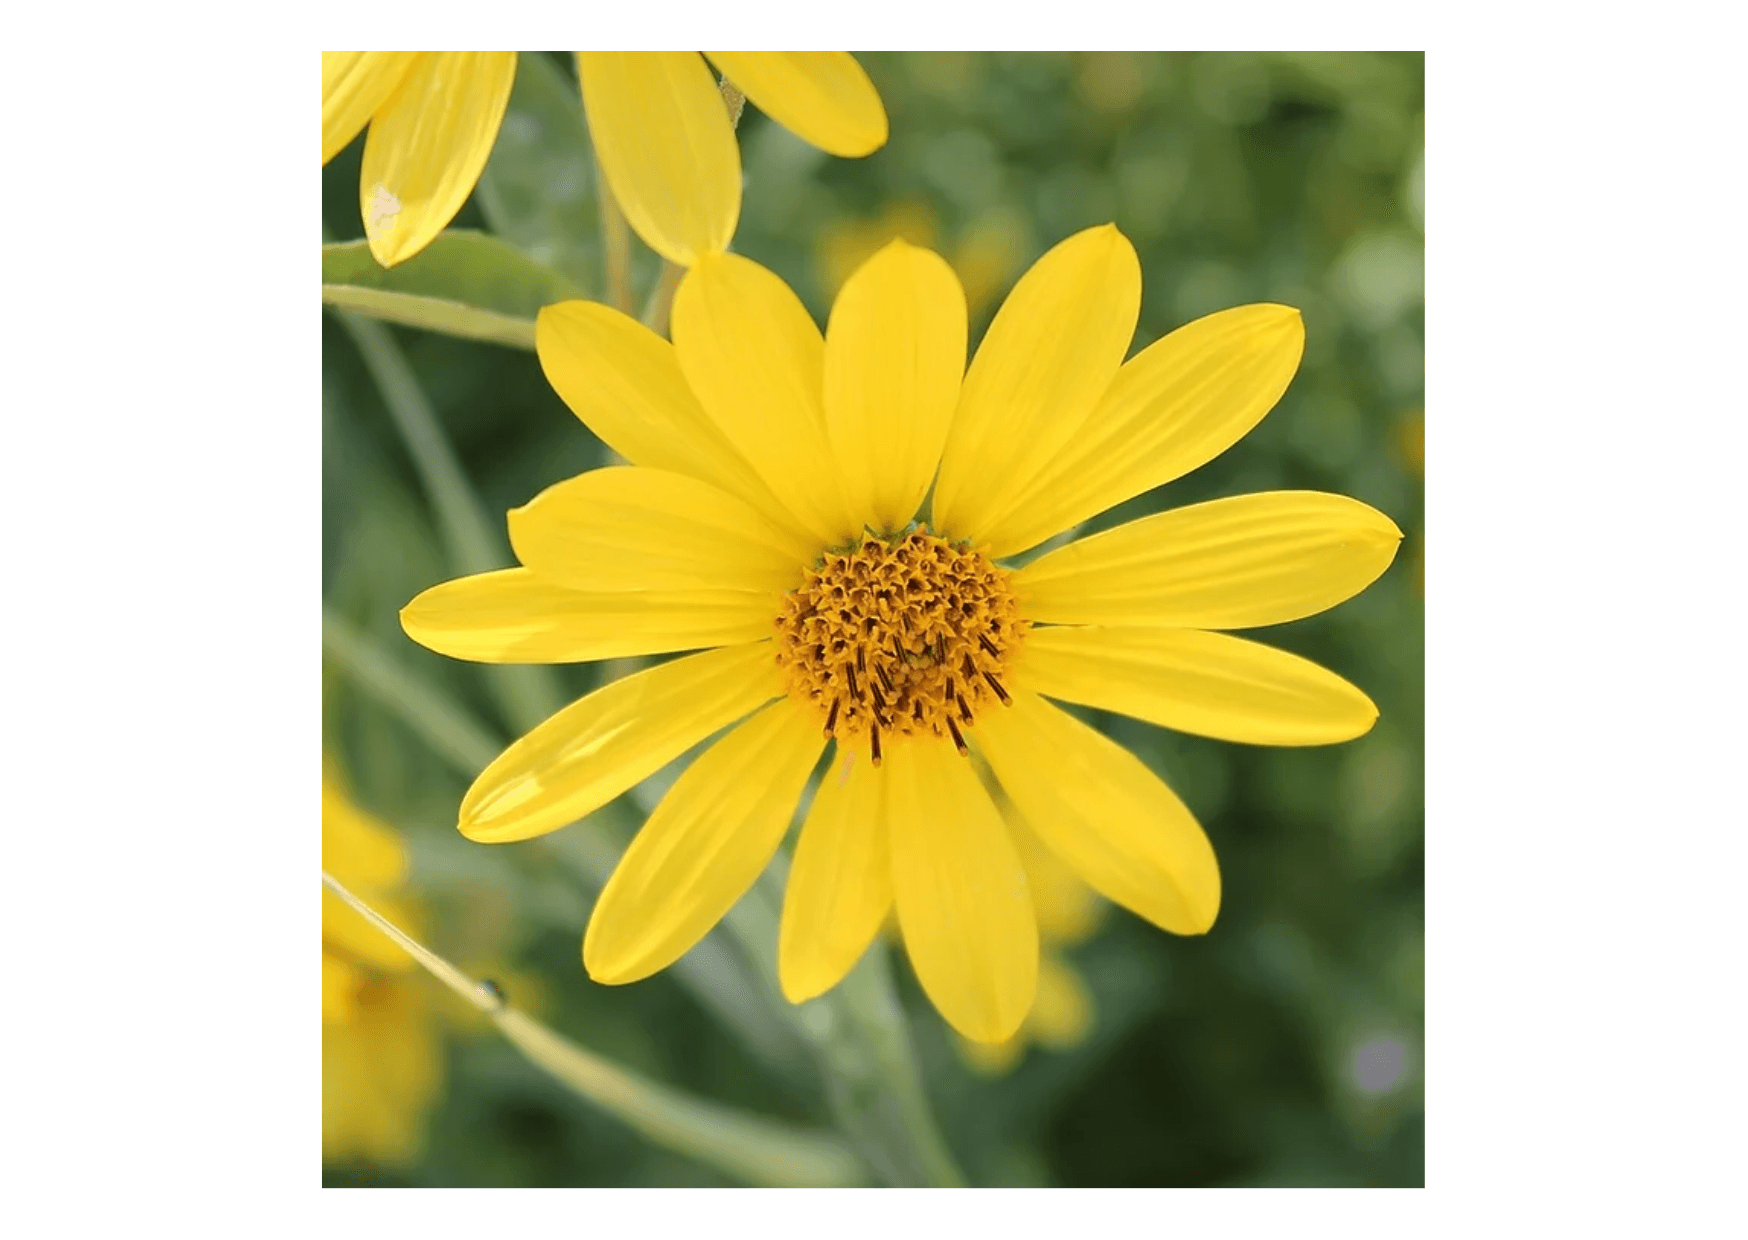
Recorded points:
(427, 146)
(661, 132)
(824, 98)
(380, 1071)
(1209, 684)
(357, 849)
(704, 845)
(626, 528)
(624, 382)
(991, 1058)
(840, 884)
(513, 616)
(1047, 359)
(755, 359)
(594, 749)
(341, 981)
(894, 356)
(1067, 909)
(961, 893)
(1063, 1014)
(1226, 564)
(1103, 812)
(1174, 406)
(354, 86)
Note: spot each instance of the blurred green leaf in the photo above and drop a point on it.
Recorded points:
(464, 284)
(538, 189)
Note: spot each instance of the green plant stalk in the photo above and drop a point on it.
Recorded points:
(748, 1147)
(615, 244)
(526, 694)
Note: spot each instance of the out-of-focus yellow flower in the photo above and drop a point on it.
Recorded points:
(381, 1058)
(767, 519)
(985, 255)
(657, 119)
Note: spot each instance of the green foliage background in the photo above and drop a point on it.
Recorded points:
(1232, 1059)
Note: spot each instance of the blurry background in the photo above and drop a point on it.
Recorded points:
(1283, 1048)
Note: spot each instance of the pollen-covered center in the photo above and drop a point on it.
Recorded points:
(909, 638)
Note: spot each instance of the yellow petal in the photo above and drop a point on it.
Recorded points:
(624, 382)
(1228, 564)
(706, 843)
(824, 98)
(594, 749)
(1063, 1014)
(1050, 354)
(1067, 909)
(1176, 405)
(427, 146)
(1103, 812)
(346, 932)
(513, 616)
(625, 528)
(341, 982)
(894, 356)
(354, 86)
(755, 359)
(1209, 684)
(356, 848)
(961, 893)
(991, 1058)
(840, 885)
(662, 135)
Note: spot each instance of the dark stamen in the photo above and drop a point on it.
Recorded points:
(970, 668)
(874, 742)
(880, 671)
(861, 660)
(958, 741)
(965, 711)
(950, 688)
(831, 719)
(999, 691)
(851, 677)
(989, 646)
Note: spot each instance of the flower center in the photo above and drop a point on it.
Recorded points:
(908, 638)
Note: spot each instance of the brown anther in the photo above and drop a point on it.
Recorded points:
(958, 740)
(831, 719)
(989, 646)
(874, 743)
(999, 691)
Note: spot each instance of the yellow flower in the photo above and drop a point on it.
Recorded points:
(767, 514)
(658, 122)
(381, 1060)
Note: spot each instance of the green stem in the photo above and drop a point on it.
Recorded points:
(526, 694)
(615, 244)
(661, 298)
(749, 1147)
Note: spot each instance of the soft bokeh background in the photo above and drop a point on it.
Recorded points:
(1283, 1048)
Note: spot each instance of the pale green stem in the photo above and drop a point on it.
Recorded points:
(749, 1147)
(527, 694)
(615, 244)
(435, 717)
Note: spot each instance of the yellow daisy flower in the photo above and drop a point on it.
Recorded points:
(381, 1059)
(657, 120)
(767, 514)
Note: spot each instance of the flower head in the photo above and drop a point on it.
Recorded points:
(773, 513)
(657, 120)
(381, 1061)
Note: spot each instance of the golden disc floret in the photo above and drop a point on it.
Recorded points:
(909, 637)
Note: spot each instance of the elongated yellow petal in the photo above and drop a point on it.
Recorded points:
(594, 749)
(1067, 909)
(1228, 564)
(625, 528)
(1063, 1014)
(346, 931)
(341, 982)
(1047, 359)
(755, 359)
(1096, 806)
(427, 146)
(354, 86)
(961, 893)
(1176, 405)
(1210, 684)
(624, 382)
(704, 846)
(356, 848)
(513, 616)
(840, 885)
(662, 135)
(824, 98)
(894, 356)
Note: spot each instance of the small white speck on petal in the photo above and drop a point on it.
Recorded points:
(384, 207)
